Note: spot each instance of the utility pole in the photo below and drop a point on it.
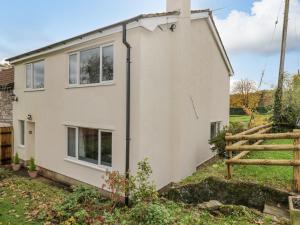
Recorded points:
(279, 91)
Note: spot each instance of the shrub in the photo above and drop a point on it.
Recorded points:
(76, 205)
(218, 143)
(143, 190)
(151, 214)
(32, 166)
(117, 185)
(16, 159)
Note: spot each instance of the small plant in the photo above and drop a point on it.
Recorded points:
(143, 189)
(32, 166)
(117, 185)
(16, 166)
(32, 171)
(16, 159)
(151, 214)
(218, 143)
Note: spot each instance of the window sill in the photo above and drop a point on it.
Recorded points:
(33, 89)
(21, 146)
(89, 165)
(91, 85)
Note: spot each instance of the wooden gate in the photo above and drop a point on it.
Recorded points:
(6, 145)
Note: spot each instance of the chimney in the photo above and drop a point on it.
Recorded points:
(184, 6)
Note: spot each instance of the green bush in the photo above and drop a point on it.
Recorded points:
(151, 214)
(73, 206)
(16, 159)
(32, 166)
(143, 190)
(218, 143)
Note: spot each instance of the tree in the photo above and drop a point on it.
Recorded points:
(246, 94)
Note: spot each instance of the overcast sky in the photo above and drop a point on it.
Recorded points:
(246, 28)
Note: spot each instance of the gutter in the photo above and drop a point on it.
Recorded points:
(128, 91)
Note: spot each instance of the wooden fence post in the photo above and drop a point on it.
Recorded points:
(229, 166)
(296, 169)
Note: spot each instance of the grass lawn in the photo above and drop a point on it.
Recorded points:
(245, 119)
(274, 176)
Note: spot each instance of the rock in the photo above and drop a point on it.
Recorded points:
(211, 205)
(276, 211)
(227, 192)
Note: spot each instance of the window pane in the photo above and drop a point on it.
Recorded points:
(212, 130)
(22, 132)
(73, 69)
(90, 66)
(28, 76)
(106, 148)
(88, 145)
(107, 63)
(71, 142)
(38, 74)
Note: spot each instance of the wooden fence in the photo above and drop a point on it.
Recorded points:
(6, 145)
(258, 135)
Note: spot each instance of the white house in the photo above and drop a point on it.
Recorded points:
(155, 86)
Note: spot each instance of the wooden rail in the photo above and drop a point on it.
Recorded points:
(242, 145)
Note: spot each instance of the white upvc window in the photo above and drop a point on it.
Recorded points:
(35, 74)
(215, 128)
(21, 132)
(92, 66)
(93, 146)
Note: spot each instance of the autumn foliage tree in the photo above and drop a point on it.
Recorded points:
(246, 95)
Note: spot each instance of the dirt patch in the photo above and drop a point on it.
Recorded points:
(228, 192)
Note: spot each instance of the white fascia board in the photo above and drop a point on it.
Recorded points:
(80, 41)
(152, 23)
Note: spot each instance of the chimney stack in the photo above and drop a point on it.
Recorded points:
(184, 6)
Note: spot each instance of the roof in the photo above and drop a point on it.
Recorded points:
(100, 30)
(6, 76)
(64, 43)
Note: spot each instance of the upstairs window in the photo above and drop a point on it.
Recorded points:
(92, 66)
(215, 128)
(35, 75)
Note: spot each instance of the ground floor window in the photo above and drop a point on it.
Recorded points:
(22, 132)
(90, 145)
(215, 128)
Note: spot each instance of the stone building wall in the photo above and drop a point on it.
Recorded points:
(6, 106)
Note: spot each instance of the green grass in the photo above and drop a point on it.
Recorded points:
(21, 199)
(274, 176)
(245, 119)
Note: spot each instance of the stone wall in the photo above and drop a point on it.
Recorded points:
(6, 106)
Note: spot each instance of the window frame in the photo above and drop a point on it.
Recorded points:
(32, 75)
(101, 82)
(20, 133)
(218, 125)
(76, 159)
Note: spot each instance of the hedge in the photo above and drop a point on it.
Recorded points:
(240, 111)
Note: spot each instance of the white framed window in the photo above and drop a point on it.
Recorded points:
(89, 145)
(35, 73)
(92, 66)
(215, 128)
(22, 132)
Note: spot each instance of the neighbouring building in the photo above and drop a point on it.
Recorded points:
(6, 95)
(156, 86)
